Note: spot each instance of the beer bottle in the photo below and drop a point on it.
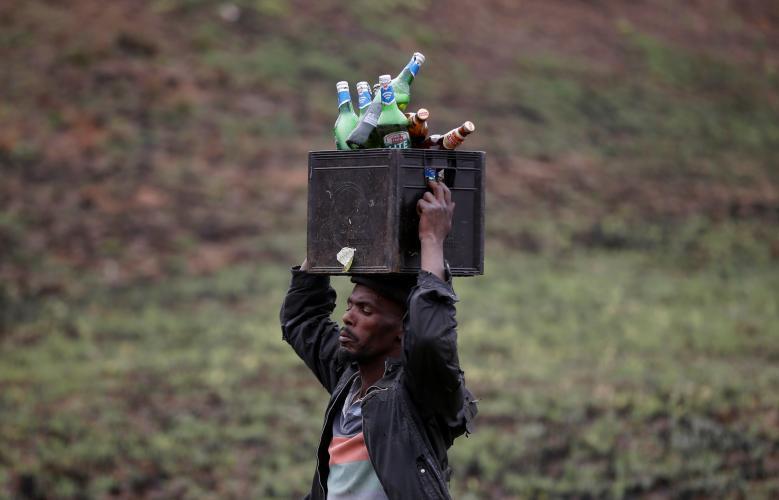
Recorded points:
(417, 126)
(402, 83)
(364, 97)
(451, 139)
(346, 120)
(364, 134)
(393, 124)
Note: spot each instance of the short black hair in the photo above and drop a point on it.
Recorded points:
(394, 286)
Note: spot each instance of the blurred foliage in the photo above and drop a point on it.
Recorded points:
(598, 375)
(153, 190)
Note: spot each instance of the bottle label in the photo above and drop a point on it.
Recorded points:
(387, 95)
(343, 97)
(453, 140)
(413, 66)
(365, 99)
(397, 140)
(372, 119)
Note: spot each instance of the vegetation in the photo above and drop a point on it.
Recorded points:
(599, 374)
(622, 343)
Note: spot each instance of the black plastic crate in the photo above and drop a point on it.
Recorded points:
(367, 200)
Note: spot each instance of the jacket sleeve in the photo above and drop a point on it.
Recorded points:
(433, 374)
(307, 327)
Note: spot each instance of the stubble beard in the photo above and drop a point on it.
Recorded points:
(346, 356)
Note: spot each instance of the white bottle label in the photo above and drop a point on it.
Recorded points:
(453, 140)
(371, 119)
(397, 140)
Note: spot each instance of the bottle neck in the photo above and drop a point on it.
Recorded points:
(344, 101)
(387, 96)
(410, 71)
(365, 100)
(417, 120)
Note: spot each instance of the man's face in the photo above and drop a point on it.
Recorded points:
(373, 326)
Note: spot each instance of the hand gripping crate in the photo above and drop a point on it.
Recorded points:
(366, 200)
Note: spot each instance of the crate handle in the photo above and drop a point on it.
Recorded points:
(448, 173)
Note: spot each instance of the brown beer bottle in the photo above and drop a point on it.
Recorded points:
(451, 139)
(417, 126)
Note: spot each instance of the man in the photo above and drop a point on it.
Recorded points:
(398, 396)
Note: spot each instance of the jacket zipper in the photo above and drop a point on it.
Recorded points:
(429, 464)
(324, 426)
(371, 390)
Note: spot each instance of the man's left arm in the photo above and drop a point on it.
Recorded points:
(434, 377)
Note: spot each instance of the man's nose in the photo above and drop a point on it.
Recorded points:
(347, 318)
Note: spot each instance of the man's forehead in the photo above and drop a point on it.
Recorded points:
(362, 293)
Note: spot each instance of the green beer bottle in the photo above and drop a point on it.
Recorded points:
(402, 83)
(346, 120)
(364, 135)
(364, 97)
(393, 124)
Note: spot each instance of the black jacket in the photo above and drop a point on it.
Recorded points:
(414, 412)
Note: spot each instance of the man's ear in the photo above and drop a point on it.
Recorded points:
(399, 333)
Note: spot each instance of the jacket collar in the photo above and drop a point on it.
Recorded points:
(391, 366)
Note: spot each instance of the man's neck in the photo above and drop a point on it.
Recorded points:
(370, 373)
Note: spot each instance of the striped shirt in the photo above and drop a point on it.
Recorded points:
(352, 476)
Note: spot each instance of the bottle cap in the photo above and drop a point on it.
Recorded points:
(469, 127)
(362, 87)
(423, 114)
(419, 57)
(342, 86)
(384, 79)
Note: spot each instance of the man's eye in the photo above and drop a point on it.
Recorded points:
(366, 310)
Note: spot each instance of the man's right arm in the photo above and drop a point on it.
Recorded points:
(306, 324)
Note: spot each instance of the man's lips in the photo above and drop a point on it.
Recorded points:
(346, 336)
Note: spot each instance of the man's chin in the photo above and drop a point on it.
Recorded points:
(347, 356)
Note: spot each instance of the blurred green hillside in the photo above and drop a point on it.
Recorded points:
(153, 193)
(170, 135)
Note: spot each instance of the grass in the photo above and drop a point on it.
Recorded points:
(606, 373)
(703, 114)
(609, 375)
(211, 97)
